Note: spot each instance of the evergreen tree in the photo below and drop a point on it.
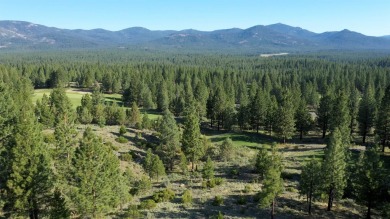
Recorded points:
(95, 177)
(262, 162)
(273, 182)
(135, 117)
(258, 110)
(61, 106)
(44, 114)
(367, 113)
(340, 118)
(99, 114)
(208, 169)
(371, 179)
(157, 168)
(28, 176)
(303, 119)
(162, 97)
(309, 184)
(84, 116)
(227, 149)
(324, 113)
(170, 140)
(192, 146)
(354, 101)
(146, 122)
(383, 121)
(285, 117)
(271, 118)
(334, 168)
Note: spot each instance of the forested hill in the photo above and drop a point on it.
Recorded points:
(19, 35)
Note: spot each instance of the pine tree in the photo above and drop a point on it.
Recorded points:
(262, 162)
(340, 118)
(135, 117)
(95, 177)
(258, 109)
(309, 184)
(285, 127)
(44, 114)
(61, 106)
(324, 113)
(383, 120)
(146, 122)
(99, 115)
(334, 168)
(162, 97)
(367, 113)
(303, 119)
(354, 99)
(28, 176)
(170, 140)
(157, 168)
(227, 149)
(273, 182)
(192, 146)
(371, 179)
(208, 169)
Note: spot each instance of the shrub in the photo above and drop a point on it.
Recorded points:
(121, 139)
(133, 212)
(164, 195)
(49, 138)
(122, 130)
(218, 181)
(247, 189)
(218, 216)
(186, 199)
(218, 201)
(241, 200)
(148, 204)
(204, 184)
(234, 172)
(126, 157)
(211, 183)
(142, 185)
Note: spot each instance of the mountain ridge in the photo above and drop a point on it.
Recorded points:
(17, 35)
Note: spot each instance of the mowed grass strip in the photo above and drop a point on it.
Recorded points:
(76, 95)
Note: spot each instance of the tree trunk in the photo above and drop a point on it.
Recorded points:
(383, 145)
(330, 200)
(273, 209)
(257, 128)
(301, 135)
(323, 132)
(364, 136)
(310, 196)
(369, 210)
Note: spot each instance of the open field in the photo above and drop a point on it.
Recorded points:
(75, 96)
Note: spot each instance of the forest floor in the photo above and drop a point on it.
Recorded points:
(237, 174)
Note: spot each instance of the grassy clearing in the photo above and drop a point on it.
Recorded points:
(76, 95)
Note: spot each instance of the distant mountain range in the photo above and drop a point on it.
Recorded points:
(20, 35)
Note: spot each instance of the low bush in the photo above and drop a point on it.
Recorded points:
(126, 157)
(164, 195)
(218, 201)
(148, 204)
(247, 189)
(141, 185)
(121, 139)
(186, 198)
(241, 200)
(133, 212)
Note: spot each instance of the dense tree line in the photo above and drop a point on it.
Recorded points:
(279, 97)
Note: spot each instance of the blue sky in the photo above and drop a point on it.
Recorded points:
(370, 17)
